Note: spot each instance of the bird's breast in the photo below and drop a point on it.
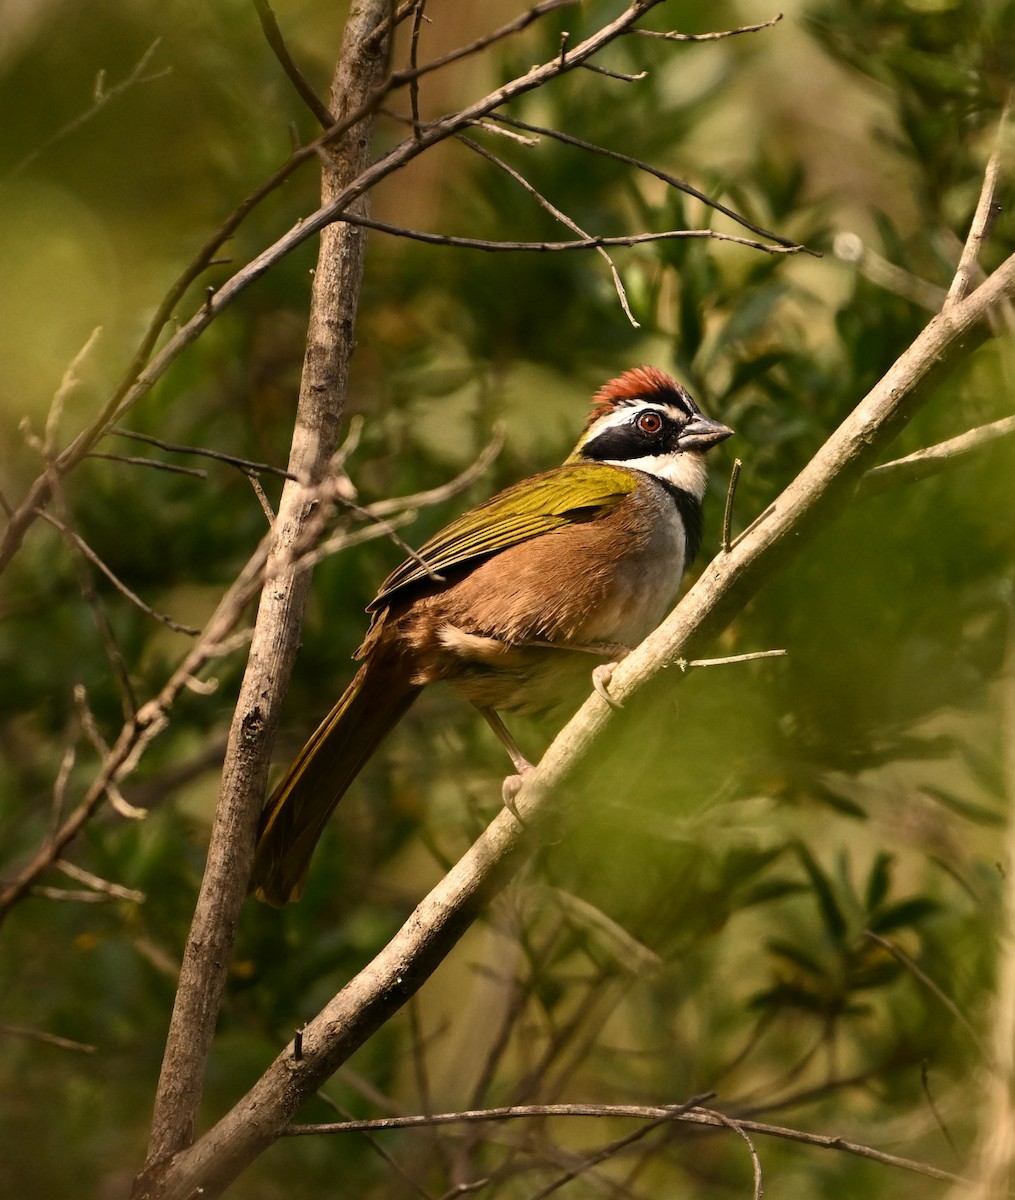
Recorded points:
(502, 633)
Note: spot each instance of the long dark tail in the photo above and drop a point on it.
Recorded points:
(296, 812)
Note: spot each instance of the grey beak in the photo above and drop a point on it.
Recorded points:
(700, 433)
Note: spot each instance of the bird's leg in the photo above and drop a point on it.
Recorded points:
(602, 674)
(512, 783)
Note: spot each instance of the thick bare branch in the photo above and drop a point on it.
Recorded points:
(330, 342)
(727, 584)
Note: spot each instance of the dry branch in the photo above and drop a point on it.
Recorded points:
(330, 343)
(399, 970)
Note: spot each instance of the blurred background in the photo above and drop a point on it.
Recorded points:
(701, 921)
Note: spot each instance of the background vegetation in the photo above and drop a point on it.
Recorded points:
(702, 921)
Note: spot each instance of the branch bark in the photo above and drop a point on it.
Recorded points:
(361, 66)
(824, 487)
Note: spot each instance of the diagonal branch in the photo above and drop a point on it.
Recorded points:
(822, 489)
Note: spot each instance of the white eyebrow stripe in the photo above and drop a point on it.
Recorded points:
(623, 415)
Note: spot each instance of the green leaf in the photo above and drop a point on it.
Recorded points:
(831, 913)
(879, 880)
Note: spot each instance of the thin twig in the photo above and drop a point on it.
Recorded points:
(685, 664)
(505, 31)
(987, 209)
(418, 17)
(560, 216)
(738, 1128)
(391, 21)
(303, 86)
(588, 243)
(69, 384)
(381, 527)
(437, 495)
(63, 774)
(938, 1119)
(71, 895)
(608, 1151)
(134, 460)
(380, 1150)
(694, 1116)
(89, 592)
(708, 37)
(672, 180)
(50, 1039)
(100, 98)
(934, 988)
(115, 891)
(727, 516)
(924, 463)
(242, 464)
(623, 76)
(79, 542)
(850, 248)
(262, 497)
(94, 735)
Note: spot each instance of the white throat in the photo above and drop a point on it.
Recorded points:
(686, 471)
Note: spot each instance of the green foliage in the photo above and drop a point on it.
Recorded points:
(700, 922)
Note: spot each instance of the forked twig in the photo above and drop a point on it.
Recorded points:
(987, 209)
(556, 213)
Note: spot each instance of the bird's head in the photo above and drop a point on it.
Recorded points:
(646, 421)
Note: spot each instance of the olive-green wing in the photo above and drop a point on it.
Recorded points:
(574, 492)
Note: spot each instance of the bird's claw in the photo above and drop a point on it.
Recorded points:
(601, 677)
(510, 788)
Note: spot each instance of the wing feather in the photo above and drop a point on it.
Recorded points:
(562, 496)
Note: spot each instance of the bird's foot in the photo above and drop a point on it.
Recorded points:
(510, 788)
(601, 677)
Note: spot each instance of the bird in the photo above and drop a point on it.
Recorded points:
(513, 601)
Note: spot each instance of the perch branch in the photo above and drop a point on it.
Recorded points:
(820, 491)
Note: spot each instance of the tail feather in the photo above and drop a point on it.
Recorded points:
(296, 812)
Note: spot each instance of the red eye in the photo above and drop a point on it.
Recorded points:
(649, 422)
